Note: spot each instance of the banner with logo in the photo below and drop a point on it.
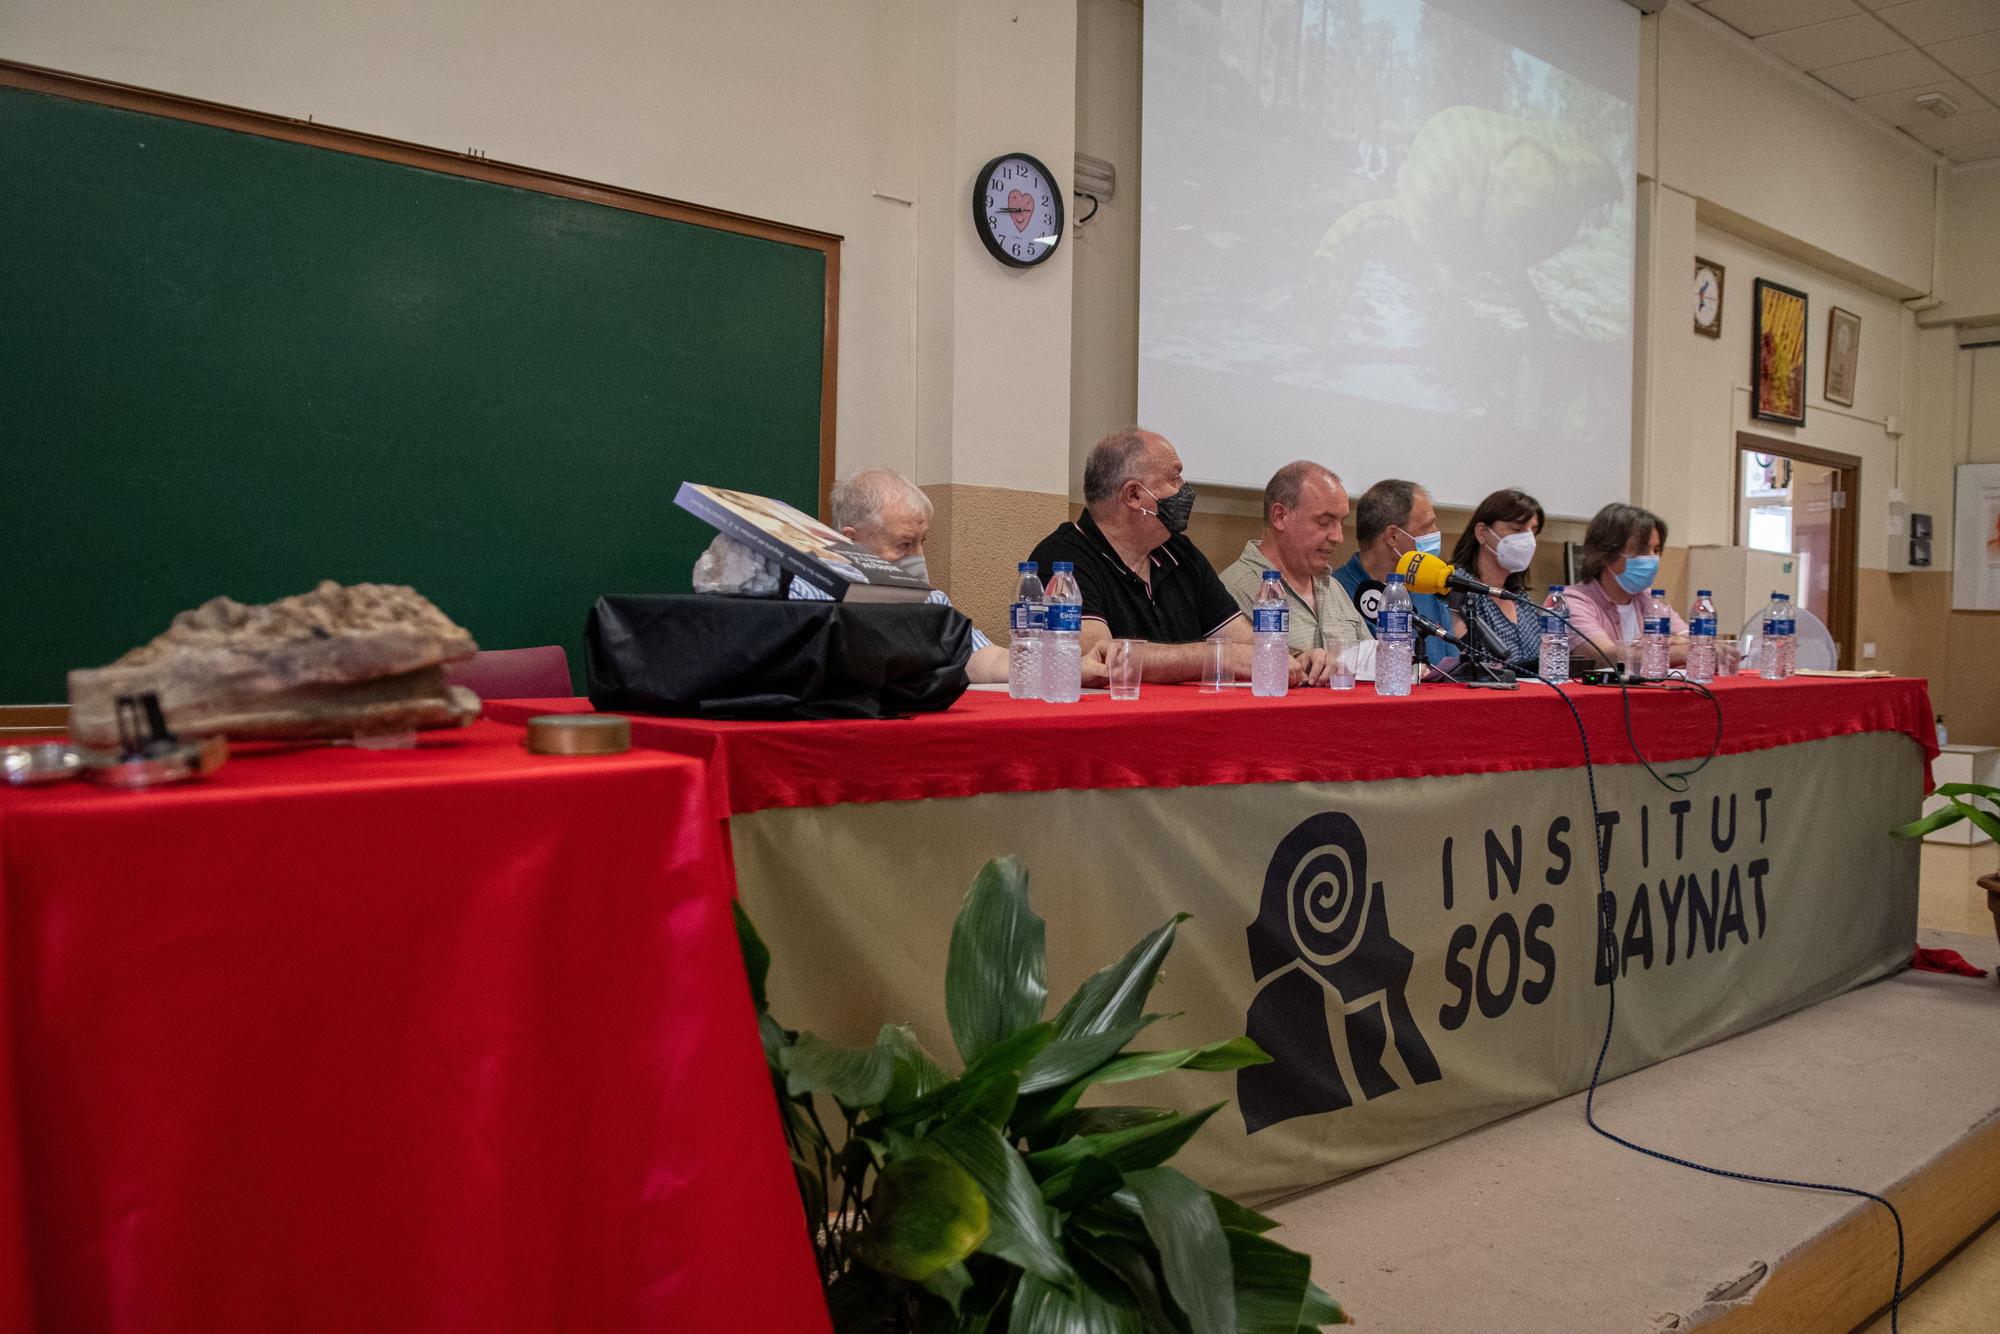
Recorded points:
(1420, 956)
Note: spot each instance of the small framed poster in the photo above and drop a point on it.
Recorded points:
(1843, 353)
(1778, 354)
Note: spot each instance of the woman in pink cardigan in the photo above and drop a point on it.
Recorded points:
(1619, 560)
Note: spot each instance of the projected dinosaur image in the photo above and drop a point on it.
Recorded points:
(1481, 191)
(1384, 221)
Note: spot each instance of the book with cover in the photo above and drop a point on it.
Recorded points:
(801, 545)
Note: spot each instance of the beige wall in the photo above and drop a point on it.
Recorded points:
(1969, 267)
(1749, 136)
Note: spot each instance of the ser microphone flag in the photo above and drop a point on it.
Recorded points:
(1425, 573)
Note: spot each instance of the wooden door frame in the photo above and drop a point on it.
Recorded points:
(1840, 587)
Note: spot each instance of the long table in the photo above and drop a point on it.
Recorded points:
(386, 1040)
(1396, 898)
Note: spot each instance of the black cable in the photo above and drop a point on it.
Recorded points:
(1095, 204)
(1607, 922)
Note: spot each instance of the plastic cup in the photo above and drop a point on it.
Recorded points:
(1340, 657)
(1124, 664)
(1216, 673)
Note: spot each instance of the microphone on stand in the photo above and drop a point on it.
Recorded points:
(1425, 573)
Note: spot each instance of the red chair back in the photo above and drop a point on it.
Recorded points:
(514, 673)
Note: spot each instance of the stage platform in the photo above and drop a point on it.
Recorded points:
(1536, 1224)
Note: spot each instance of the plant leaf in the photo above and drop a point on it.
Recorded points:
(1984, 790)
(1127, 1150)
(1194, 1254)
(1232, 1214)
(1004, 1060)
(927, 1214)
(1270, 1282)
(1042, 1308)
(1066, 1058)
(915, 1075)
(1937, 819)
(756, 954)
(1082, 1184)
(1104, 1120)
(1117, 995)
(949, 1284)
(995, 982)
(1230, 1054)
(1321, 1309)
(855, 1076)
(1130, 1265)
(1985, 820)
(1021, 1229)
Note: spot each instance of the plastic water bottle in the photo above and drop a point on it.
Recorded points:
(1395, 640)
(1656, 632)
(1554, 662)
(1778, 652)
(1062, 645)
(1701, 638)
(1271, 626)
(1027, 622)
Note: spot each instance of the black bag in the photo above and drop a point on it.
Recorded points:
(706, 656)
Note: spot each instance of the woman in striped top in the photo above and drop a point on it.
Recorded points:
(1497, 547)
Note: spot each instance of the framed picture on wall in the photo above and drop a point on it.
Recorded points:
(1778, 354)
(1843, 352)
(1975, 539)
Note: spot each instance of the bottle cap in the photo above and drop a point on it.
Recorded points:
(1704, 592)
(1659, 592)
(1024, 567)
(1064, 566)
(1557, 588)
(1395, 576)
(1271, 574)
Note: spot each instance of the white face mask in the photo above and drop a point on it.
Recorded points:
(1515, 552)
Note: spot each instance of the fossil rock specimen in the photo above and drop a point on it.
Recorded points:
(329, 663)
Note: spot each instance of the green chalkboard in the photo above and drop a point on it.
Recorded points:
(231, 364)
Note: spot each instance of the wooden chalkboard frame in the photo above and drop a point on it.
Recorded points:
(126, 97)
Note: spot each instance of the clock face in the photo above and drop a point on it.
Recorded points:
(1708, 298)
(1017, 209)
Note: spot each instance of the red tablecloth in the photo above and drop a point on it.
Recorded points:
(1176, 736)
(422, 1040)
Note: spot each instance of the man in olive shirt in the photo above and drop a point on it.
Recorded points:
(1305, 507)
(1140, 576)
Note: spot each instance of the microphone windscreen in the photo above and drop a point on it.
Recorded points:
(1423, 572)
(1368, 599)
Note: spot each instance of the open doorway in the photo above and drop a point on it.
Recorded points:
(1794, 498)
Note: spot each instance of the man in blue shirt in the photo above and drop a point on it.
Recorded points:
(1390, 519)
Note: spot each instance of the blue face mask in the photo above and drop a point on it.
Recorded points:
(1431, 544)
(1638, 574)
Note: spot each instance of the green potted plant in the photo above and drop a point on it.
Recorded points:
(1979, 803)
(993, 1200)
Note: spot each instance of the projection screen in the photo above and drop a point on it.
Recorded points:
(1394, 236)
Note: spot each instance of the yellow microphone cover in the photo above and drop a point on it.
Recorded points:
(1423, 572)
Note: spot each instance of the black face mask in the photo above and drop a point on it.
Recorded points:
(1173, 512)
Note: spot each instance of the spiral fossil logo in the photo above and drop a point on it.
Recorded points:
(1322, 935)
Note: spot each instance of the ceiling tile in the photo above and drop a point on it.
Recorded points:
(1881, 74)
(1978, 54)
(1900, 107)
(1835, 43)
(1970, 128)
(1928, 21)
(1754, 18)
(1979, 152)
(1988, 84)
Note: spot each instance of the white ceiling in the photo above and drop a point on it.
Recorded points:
(1882, 54)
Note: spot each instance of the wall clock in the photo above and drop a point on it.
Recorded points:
(1017, 209)
(1707, 297)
